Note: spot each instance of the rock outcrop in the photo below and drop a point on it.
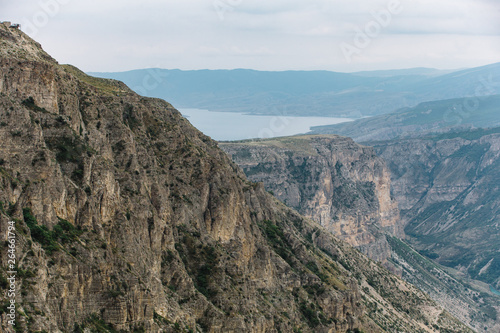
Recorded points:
(447, 188)
(128, 218)
(341, 185)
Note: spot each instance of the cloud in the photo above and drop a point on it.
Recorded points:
(117, 35)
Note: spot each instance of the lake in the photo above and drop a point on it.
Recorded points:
(227, 126)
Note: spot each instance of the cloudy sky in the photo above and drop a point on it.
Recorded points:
(338, 35)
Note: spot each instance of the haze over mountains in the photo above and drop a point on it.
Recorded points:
(126, 212)
(127, 218)
(437, 131)
(428, 117)
(309, 93)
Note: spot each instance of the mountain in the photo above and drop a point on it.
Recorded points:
(129, 219)
(311, 93)
(403, 72)
(428, 117)
(447, 189)
(469, 300)
(472, 82)
(307, 93)
(341, 185)
(346, 187)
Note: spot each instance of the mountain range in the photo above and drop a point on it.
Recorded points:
(450, 217)
(442, 116)
(309, 93)
(127, 218)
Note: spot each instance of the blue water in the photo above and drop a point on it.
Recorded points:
(239, 126)
(493, 290)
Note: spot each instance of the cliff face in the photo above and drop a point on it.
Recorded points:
(343, 186)
(128, 218)
(295, 169)
(447, 187)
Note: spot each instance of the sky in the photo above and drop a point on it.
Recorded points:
(335, 35)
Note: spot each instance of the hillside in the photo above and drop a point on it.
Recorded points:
(428, 117)
(347, 189)
(308, 93)
(447, 189)
(341, 185)
(128, 218)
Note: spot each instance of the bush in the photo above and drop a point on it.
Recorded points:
(64, 232)
(30, 104)
(4, 283)
(309, 314)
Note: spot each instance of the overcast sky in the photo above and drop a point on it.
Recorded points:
(338, 35)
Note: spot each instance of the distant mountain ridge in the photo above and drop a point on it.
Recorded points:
(409, 71)
(427, 117)
(129, 219)
(304, 93)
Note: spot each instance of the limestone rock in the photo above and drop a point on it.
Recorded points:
(128, 218)
(341, 185)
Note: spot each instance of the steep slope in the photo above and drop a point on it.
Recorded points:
(316, 174)
(435, 116)
(447, 188)
(343, 186)
(469, 300)
(127, 218)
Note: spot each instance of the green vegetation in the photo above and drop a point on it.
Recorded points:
(68, 149)
(95, 324)
(40, 234)
(203, 259)
(309, 313)
(314, 289)
(130, 117)
(106, 86)
(3, 281)
(30, 104)
(63, 232)
(277, 240)
(205, 272)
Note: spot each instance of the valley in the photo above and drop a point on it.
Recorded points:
(127, 218)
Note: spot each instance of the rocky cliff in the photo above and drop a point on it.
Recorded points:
(276, 163)
(447, 188)
(343, 186)
(129, 219)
